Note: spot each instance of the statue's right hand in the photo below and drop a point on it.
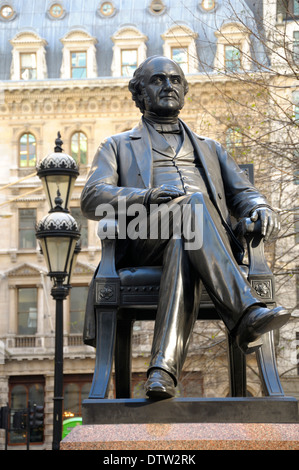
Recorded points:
(164, 193)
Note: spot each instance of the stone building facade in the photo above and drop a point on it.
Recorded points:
(65, 67)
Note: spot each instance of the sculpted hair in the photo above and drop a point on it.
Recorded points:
(136, 83)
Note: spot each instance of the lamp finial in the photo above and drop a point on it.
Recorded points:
(58, 144)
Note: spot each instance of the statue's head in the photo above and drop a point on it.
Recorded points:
(159, 86)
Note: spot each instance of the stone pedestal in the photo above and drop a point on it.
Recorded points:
(152, 438)
(190, 410)
(182, 424)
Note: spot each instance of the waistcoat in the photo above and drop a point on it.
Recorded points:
(175, 162)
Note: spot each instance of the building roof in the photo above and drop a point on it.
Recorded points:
(33, 15)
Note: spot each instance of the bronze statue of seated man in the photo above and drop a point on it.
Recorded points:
(161, 162)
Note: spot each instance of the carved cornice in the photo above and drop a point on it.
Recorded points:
(94, 98)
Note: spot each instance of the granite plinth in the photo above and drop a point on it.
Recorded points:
(182, 437)
(191, 410)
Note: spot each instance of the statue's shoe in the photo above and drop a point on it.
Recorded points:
(256, 322)
(159, 385)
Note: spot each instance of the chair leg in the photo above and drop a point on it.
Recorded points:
(106, 328)
(268, 368)
(237, 369)
(123, 352)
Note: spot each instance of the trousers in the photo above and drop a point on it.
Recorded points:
(186, 268)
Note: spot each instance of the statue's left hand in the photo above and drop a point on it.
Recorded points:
(270, 223)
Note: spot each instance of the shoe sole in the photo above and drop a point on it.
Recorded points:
(269, 325)
(158, 394)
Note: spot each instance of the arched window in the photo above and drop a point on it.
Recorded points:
(27, 151)
(79, 147)
(234, 141)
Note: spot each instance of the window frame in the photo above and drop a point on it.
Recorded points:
(123, 49)
(28, 68)
(27, 382)
(237, 35)
(80, 380)
(102, 12)
(239, 60)
(207, 9)
(78, 41)
(127, 38)
(161, 11)
(25, 230)
(182, 37)
(28, 42)
(78, 157)
(234, 146)
(286, 9)
(187, 56)
(19, 288)
(10, 16)
(27, 150)
(56, 17)
(77, 67)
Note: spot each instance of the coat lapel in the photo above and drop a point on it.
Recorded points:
(203, 153)
(142, 150)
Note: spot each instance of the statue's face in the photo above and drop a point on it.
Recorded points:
(163, 91)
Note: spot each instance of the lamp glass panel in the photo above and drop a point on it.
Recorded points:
(58, 251)
(52, 183)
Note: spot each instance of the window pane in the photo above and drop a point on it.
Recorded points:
(27, 310)
(18, 401)
(296, 7)
(27, 221)
(36, 397)
(180, 56)
(79, 61)
(78, 298)
(128, 62)
(85, 391)
(18, 397)
(22, 395)
(234, 141)
(28, 66)
(27, 157)
(232, 58)
(208, 4)
(79, 147)
(71, 400)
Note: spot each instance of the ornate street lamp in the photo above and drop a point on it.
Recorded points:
(58, 171)
(58, 234)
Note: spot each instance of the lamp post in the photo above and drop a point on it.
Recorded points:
(58, 235)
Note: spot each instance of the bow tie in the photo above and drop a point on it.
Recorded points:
(168, 128)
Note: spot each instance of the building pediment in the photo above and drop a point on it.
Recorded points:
(127, 32)
(83, 269)
(25, 270)
(78, 35)
(28, 37)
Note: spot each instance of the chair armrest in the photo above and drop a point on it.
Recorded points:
(107, 232)
(260, 275)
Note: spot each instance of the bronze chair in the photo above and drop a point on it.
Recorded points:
(131, 294)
